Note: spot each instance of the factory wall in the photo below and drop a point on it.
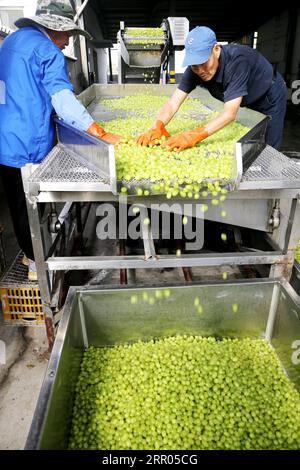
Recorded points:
(11, 10)
(272, 40)
(279, 41)
(102, 57)
(295, 72)
(97, 57)
(73, 55)
(92, 24)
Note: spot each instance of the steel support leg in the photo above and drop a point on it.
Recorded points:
(39, 257)
(284, 268)
(43, 273)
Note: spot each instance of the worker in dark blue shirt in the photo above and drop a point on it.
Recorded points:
(234, 74)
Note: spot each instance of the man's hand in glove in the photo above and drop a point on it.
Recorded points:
(97, 131)
(186, 139)
(153, 135)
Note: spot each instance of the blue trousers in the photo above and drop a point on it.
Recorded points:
(273, 104)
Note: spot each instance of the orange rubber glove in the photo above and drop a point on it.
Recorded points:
(97, 131)
(151, 136)
(186, 139)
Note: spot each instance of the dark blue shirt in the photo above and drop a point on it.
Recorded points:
(242, 72)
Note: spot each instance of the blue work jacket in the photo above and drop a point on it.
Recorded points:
(32, 69)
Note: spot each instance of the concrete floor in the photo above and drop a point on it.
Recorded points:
(20, 382)
(26, 360)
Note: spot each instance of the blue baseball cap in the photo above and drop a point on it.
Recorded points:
(198, 45)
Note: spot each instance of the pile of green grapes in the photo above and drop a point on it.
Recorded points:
(149, 32)
(147, 104)
(172, 173)
(153, 35)
(185, 392)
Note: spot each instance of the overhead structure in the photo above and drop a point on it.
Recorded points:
(146, 55)
(226, 17)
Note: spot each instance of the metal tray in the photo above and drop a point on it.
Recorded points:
(77, 161)
(81, 162)
(105, 317)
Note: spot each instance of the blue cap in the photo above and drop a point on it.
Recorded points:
(198, 45)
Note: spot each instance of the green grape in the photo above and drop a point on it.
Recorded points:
(134, 299)
(185, 392)
(200, 309)
(158, 294)
(235, 308)
(214, 202)
(145, 296)
(212, 159)
(136, 210)
(184, 220)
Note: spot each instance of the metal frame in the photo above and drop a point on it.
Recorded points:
(133, 58)
(280, 260)
(38, 422)
(257, 203)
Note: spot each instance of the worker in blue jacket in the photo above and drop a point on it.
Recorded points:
(34, 84)
(235, 74)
